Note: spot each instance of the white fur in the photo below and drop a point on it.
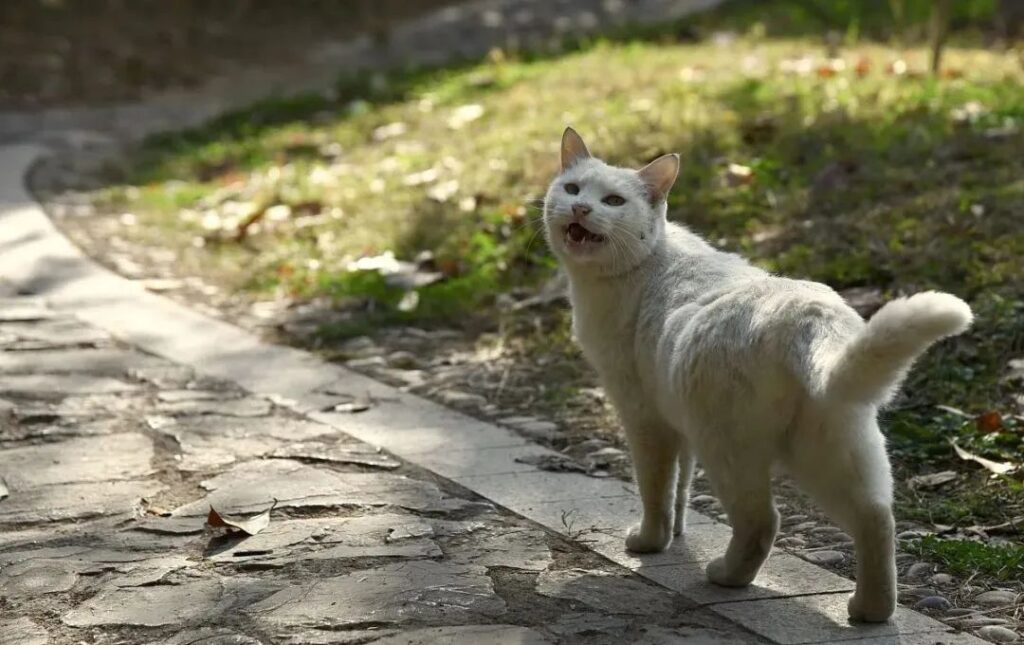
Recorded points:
(707, 357)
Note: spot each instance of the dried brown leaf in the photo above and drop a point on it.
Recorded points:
(989, 422)
(249, 526)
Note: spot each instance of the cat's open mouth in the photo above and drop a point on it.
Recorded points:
(576, 235)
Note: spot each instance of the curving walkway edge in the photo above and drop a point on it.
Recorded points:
(792, 601)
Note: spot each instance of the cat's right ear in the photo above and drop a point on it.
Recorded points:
(573, 148)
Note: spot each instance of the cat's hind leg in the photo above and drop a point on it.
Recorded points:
(686, 467)
(843, 465)
(745, 493)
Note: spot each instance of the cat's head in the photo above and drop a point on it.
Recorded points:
(603, 219)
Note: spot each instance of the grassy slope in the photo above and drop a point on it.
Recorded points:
(860, 178)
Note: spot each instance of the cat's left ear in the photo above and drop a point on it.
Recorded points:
(573, 148)
(659, 175)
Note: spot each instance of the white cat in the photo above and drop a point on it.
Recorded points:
(708, 358)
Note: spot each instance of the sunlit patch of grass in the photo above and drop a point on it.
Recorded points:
(965, 557)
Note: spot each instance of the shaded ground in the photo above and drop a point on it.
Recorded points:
(100, 51)
(847, 166)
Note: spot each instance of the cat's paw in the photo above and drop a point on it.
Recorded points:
(644, 539)
(719, 573)
(871, 608)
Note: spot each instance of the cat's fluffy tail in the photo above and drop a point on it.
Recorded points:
(872, 366)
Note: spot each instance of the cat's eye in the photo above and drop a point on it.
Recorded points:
(614, 200)
(572, 189)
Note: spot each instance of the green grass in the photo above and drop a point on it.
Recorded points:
(861, 177)
(965, 558)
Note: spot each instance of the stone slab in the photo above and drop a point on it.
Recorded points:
(252, 486)
(419, 590)
(526, 489)
(822, 618)
(22, 631)
(150, 606)
(76, 501)
(479, 461)
(384, 536)
(58, 331)
(63, 384)
(233, 407)
(467, 635)
(105, 362)
(86, 459)
(604, 591)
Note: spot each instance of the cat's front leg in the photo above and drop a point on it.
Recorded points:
(655, 449)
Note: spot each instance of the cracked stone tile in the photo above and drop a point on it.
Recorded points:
(31, 578)
(230, 407)
(22, 631)
(86, 459)
(293, 636)
(210, 441)
(339, 453)
(151, 606)
(63, 384)
(177, 396)
(53, 569)
(24, 309)
(163, 376)
(515, 546)
(467, 635)
(387, 535)
(207, 636)
(171, 525)
(657, 635)
(104, 361)
(76, 501)
(418, 590)
(604, 591)
(73, 408)
(252, 486)
(576, 624)
(56, 332)
(150, 571)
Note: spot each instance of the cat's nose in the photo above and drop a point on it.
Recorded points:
(580, 210)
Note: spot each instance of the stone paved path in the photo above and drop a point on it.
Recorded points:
(111, 458)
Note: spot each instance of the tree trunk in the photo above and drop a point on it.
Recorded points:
(938, 30)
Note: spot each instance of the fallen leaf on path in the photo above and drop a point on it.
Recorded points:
(931, 480)
(351, 407)
(4, 492)
(989, 422)
(996, 467)
(249, 526)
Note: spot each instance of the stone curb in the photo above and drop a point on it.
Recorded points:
(792, 601)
